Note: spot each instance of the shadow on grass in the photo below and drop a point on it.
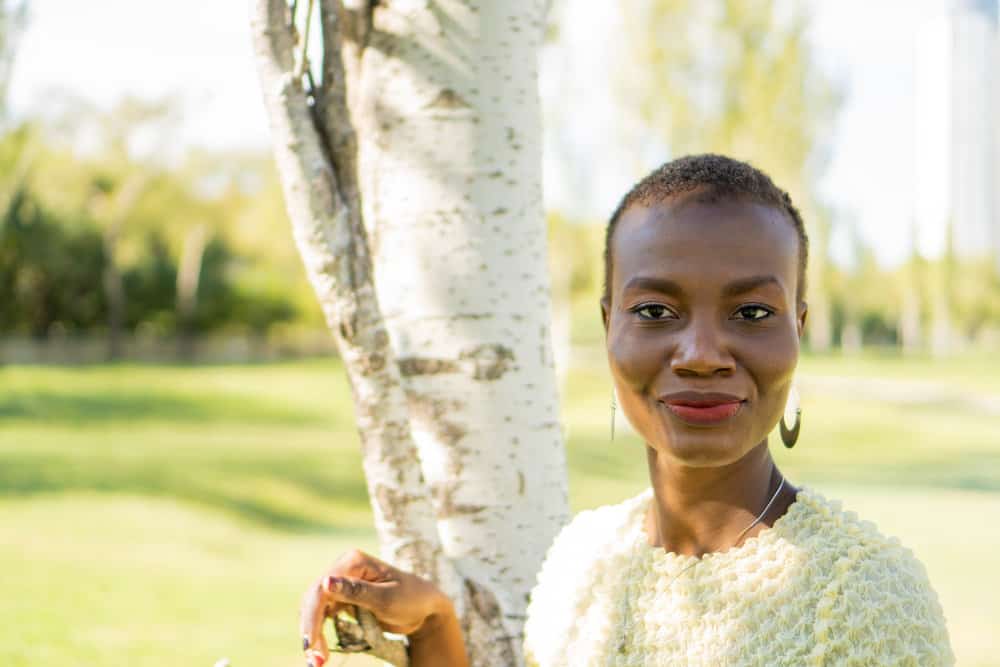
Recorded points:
(105, 406)
(222, 485)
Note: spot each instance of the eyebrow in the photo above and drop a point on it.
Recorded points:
(667, 286)
(745, 285)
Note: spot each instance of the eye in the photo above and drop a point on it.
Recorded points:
(653, 312)
(753, 313)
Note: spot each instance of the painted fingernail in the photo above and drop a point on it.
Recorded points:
(315, 660)
(329, 583)
(305, 642)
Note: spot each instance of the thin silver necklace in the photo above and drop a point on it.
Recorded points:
(635, 548)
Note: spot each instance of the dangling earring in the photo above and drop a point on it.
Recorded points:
(612, 415)
(793, 411)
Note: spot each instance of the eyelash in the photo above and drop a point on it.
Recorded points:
(644, 306)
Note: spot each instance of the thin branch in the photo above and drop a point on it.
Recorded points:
(333, 102)
(304, 56)
(347, 28)
(324, 207)
(362, 634)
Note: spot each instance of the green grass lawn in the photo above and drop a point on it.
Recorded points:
(155, 516)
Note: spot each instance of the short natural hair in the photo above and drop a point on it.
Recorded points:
(711, 178)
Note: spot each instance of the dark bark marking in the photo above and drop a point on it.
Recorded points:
(392, 503)
(430, 413)
(482, 600)
(444, 500)
(448, 99)
(487, 362)
(491, 360)
(410, 366)
(485, 610)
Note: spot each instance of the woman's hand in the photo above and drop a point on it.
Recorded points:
(401, 602)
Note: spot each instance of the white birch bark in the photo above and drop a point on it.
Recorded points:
(450, 164)
(447, 338)
(325, 229)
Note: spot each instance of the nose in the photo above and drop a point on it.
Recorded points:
(701, 350)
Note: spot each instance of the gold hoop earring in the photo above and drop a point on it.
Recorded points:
(793, 410)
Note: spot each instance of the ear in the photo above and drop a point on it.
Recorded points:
(605, 313)
(801, 319)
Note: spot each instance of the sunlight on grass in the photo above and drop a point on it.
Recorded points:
(108, 579)
(158, 516)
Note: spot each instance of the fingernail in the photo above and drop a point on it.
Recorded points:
(329, 583)
(305, 642)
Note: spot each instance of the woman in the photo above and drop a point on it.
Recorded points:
(722, 561)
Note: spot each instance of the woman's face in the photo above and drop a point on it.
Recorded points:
(703, 300)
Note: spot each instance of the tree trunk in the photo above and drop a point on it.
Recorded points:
(112, 209)
(910, 327)
(427, 121)
(188, 277)
(114, 294)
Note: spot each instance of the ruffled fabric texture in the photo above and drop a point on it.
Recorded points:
(820, 587)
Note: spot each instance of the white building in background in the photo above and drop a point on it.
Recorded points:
(975, 127)
(957, 120)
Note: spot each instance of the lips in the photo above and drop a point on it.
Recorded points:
(702, 408)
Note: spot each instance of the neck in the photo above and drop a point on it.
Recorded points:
(704, 509)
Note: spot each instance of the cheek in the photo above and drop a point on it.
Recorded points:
(773, 365)
(635, 360)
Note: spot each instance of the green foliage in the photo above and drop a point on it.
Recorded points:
(72, 221)
(735, 77)
(150, 286)
(575, 255)
(48, 270)
(975, 296)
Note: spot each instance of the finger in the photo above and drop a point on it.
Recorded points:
(357, 564)
(317, 658)
(315, 607)
(367, 594)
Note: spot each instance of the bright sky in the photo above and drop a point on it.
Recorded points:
(104, 49)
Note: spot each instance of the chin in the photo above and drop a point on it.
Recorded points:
(704, 452)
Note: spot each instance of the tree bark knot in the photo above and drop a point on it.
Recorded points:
(490, 361)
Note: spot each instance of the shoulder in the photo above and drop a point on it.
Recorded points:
(591, 533)
(582, 554)
(876, 599)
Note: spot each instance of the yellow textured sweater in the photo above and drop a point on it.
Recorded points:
(820, 587)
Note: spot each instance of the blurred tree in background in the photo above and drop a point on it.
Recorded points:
(738, 77)
(100, 234)
(193, 243)
(13, 15)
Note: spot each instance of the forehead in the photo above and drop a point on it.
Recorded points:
(705, 243)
